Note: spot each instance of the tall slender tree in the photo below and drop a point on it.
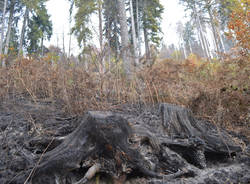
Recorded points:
(189, 36)
(137, 23)
(180, 31)
(22, 36)
(195, 7)
(125, 52)
(39, 28)
(2, 31)
(151, 23)
(100, 17)
(134, 39)
(39, 14)
(82, 28)
(111, 26)
(10, 25)
(85, 10)
(70, 24)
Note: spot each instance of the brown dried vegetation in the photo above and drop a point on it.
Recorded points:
(218, 91)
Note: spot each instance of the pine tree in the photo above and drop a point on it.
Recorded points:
(39, 28)
(111, 27)
(81, 29)
(39, 14)
(199, 21)
(151, 21)
(189, 36)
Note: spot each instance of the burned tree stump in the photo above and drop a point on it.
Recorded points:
(101, 139)
(106, 142)
(179, 123)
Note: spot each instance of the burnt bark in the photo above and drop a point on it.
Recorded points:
(101, 138)
(118, 146)
(180, 122)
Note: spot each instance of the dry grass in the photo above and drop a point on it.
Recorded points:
(217, 91)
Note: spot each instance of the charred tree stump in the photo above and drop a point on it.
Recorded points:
(105, 142)
(195, 137)
(101, 139)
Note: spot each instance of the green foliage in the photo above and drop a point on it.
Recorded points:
(40, 27)
(81, 29)
(189, 35)
(52, 57)
(13, 46)
(111, 28)
(150, 12)
(151, 20)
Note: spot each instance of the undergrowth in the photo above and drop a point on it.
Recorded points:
(218, 91)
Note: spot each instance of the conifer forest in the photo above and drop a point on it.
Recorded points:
(124, 91)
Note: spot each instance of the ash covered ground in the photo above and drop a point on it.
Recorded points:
(23, 122)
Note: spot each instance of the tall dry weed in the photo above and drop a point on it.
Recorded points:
(217, 91)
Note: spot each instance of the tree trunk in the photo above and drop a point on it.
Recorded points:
(135, 45)
(63, 39)
(42, 49)
(126, 55)
(25, 19)
(69, 45)
(200, 42)
(101, 64)
(10, 24)
(70, 35)
(138, 27)
(109, 47)
(213, 30)
(147, 52)
(199, 28)
(190, 46)
(223, 50)
(184, 47)
(2, 31)
(116, 35)
(207, 45)
(201, 35)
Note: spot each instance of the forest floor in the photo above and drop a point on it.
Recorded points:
(22, 121)
(40, 101)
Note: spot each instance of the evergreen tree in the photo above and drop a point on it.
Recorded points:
(39, 15)
(39, 28)
(215, 13)
(147, 20)
(189, 36)
(151, 20)
(111, 26)
(199, 20)
(81, 29)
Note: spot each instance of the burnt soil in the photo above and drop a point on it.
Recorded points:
(23, 120)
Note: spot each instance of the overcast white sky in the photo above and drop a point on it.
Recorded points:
(59, 11)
